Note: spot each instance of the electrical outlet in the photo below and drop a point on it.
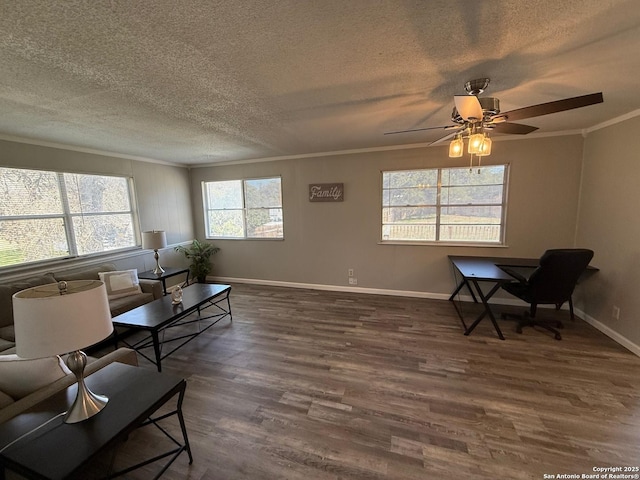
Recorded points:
(616, 312)
(353, 281)
(350, 272)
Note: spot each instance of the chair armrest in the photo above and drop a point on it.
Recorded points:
(151, 286)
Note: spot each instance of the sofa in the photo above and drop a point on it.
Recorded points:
(26, 382)
(118, 303)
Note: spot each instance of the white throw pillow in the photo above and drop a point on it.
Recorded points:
(21, 376)
(121, 283)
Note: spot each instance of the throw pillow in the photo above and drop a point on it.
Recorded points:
(21, 376)
(121, 283)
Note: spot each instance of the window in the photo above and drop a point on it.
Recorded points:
(243, 208)
(45, 215)
(449, 205)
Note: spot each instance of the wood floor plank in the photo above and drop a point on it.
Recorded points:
(308, 384)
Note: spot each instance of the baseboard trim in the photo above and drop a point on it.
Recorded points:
(615, 336)
(333, 288)
(609, 332)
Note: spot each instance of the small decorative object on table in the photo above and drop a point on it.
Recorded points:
(176, 295)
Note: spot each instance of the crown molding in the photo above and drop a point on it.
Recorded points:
(583, 132)
(73, 148)
(377, 149)
(613, 121)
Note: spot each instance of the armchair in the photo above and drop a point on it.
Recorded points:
(552, 282)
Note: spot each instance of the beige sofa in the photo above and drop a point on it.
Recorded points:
(151, 290)
(49, 382)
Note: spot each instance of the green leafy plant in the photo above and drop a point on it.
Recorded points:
(200, 254)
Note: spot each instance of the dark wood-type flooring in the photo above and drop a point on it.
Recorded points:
(308, 385)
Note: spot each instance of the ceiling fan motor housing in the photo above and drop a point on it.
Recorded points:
(490, 107)
(476, 86)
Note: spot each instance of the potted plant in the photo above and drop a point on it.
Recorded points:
(200, 254)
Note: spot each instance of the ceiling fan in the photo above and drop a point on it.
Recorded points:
(480, 115)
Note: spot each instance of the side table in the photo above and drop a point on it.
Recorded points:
(168, 272)
(58, 450)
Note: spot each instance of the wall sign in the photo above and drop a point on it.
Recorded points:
(326, 192)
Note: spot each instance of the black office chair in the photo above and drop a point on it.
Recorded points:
(551, 283)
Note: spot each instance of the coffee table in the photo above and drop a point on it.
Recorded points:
(59, 450)
(159, 316)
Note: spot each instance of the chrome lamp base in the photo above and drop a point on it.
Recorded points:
(87, 403)
(158, 270)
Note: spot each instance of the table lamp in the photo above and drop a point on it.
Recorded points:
(54, 319)
(155, 240)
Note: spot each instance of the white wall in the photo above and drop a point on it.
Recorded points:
(323, 240)
(610, 223)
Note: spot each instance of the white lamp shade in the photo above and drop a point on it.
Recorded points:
(154, 240)
(48, 323)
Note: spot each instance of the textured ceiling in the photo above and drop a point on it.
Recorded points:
(199, 82)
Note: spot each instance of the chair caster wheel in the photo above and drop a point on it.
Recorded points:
(558, 337)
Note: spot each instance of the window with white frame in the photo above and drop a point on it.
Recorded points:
(447, 205)
(46, 215)
(249, 208)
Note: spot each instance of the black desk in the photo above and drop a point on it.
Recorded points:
(482, 269)
(162, 277)
(59, 450)
(490, 270)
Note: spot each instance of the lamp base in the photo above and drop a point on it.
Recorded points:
(158, 270)
(87, 403)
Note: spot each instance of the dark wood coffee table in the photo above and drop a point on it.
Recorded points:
(59, 450)
(161, 315)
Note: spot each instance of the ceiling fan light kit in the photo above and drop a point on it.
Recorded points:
(475, 143)
(456, 147)
(485, 146)
(472, 117)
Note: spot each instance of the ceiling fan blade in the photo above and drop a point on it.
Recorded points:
(513, 128)
(444, 127)
(468, 107)
(554, 107)
(446, 137)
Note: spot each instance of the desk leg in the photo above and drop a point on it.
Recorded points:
(459, 287)
(487, 309)
(156, 348)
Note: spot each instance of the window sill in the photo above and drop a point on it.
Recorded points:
(443, 244)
